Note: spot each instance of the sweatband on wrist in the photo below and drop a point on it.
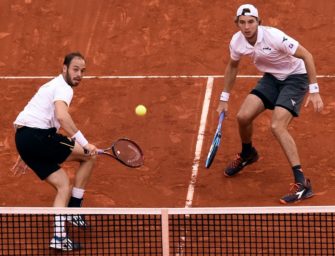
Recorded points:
(79, 137)
(224, 96)
(314, 88)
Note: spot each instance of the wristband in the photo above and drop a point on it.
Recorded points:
(224, 96)
(79, 137)
(314, 88)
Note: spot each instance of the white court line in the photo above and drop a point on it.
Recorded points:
(196, 160)
(200, 140)
(143, 77)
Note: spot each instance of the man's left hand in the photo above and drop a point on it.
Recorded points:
(316, 100)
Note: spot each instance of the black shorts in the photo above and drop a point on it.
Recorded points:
(288, 93)
(43, 150)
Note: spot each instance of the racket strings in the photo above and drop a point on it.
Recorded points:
(128, 152)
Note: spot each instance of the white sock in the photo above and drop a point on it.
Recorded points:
(78, 192)
(59, 226)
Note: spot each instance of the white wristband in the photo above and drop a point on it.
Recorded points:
(79, 137)
(224, 96)
(314, 88)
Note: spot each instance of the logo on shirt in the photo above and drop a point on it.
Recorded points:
(266, 48)
(293, 102)
(290, 46)
(284, 39)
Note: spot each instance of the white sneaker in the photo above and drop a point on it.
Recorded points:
(77, 220)
(64, 244)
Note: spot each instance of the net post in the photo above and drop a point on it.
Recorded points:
(165, 232)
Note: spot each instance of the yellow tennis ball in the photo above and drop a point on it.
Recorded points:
(140, 110)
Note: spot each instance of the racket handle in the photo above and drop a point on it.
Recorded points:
(100, 151)
(221, 117)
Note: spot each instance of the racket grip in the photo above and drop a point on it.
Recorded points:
(221, 118)
(100, 151)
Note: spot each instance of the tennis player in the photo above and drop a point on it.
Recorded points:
(289, 73)
(42, 148)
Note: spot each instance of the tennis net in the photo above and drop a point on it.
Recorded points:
(173, 231)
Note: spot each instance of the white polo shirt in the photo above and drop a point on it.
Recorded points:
(40, 110)
(272, 53)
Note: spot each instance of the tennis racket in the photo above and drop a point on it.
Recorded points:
(215, 143)
(125, 151)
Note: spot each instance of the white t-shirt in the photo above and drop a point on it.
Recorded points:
(272, 53)
(40, 110)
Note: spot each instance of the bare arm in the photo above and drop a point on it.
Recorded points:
(64, 118)
(66, 122)
(230, 75)
(229, 81)
(307, 57)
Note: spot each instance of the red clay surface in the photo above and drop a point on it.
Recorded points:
(162, 38)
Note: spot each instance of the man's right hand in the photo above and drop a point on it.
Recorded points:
(222, 107)
(90, 149)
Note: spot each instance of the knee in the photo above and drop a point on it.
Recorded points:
(277, 128)
(89, 161)
(243, 118)
(64, 188)
(92, 159)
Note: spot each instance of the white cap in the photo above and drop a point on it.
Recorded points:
(247, 10)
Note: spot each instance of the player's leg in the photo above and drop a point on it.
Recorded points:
(288, 105)
(250, 109)
(279, 126)
(86, 164)
(262, 97)
(302, 187)
(281, 119)
(83, 174)
(60, 181)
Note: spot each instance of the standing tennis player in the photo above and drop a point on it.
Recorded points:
(43, 149)
(289, 73)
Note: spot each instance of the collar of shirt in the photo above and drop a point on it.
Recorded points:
(260, 35)
(61, 78)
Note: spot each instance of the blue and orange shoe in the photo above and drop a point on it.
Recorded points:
(298, 192)
(239, 163)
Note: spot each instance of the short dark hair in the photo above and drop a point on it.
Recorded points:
(69, 57)
(257, 19)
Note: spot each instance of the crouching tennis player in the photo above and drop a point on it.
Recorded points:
(289, 72)
(43, 149)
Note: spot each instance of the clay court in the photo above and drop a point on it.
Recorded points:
(167, 39)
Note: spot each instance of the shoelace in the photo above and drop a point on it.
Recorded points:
(237, 161)
(295, 187)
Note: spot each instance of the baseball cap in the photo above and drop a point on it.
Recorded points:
(247, 10)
